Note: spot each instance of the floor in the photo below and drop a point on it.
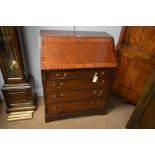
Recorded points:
(116, 118)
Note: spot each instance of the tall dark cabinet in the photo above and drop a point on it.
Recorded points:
(18, 84)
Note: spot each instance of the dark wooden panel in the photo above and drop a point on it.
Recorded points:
(21, 105)
(81, 73)
(70, 106)
(18, 97)
(75, 84)
(147, 120)
(58, 116)
(74, 94)
(144, 113)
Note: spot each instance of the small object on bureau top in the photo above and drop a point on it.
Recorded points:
(76, 67)
(95, 78)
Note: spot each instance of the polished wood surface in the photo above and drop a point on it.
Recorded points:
(65, 115)
(63, 95)
(70, 61)
(141, 38)
(136, 61)
(71, 106)
(130, 78)
(74, 73)
(19, 97)
(78, 51)
(73, 92)
(76, 83)
(144, 114)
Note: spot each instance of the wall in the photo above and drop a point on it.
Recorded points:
(112, 30)
(31, 39)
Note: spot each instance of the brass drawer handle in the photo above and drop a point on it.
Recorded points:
(54, 84)
(103, 72)
(103, 81)
(54, 95)
(58, 107)
(59, 87)
(92, 103)
(57, 74)
(99, 93)
(65, 74)
(94, 92)
(61, 84)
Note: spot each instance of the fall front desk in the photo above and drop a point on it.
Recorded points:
(77, 69)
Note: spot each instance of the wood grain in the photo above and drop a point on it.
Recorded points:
(71, 106)
(70, 61)
(144, 113)
(136, 61)
(69, 52)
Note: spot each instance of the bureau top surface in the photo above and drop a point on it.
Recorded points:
(74, 33)
(80, 49)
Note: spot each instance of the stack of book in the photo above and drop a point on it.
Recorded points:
(22, 115)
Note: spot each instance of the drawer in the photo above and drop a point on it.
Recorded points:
(76, 94)
(75, 84)
(71, 106)
(68, 74)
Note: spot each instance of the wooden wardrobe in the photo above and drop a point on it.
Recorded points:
(136, 61)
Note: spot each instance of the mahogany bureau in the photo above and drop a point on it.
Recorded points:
(76, 69)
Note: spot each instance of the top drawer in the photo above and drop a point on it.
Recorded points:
(69, 74)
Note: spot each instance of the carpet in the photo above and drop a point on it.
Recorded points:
(118, 114)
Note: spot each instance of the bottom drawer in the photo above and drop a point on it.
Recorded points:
(71, 106)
